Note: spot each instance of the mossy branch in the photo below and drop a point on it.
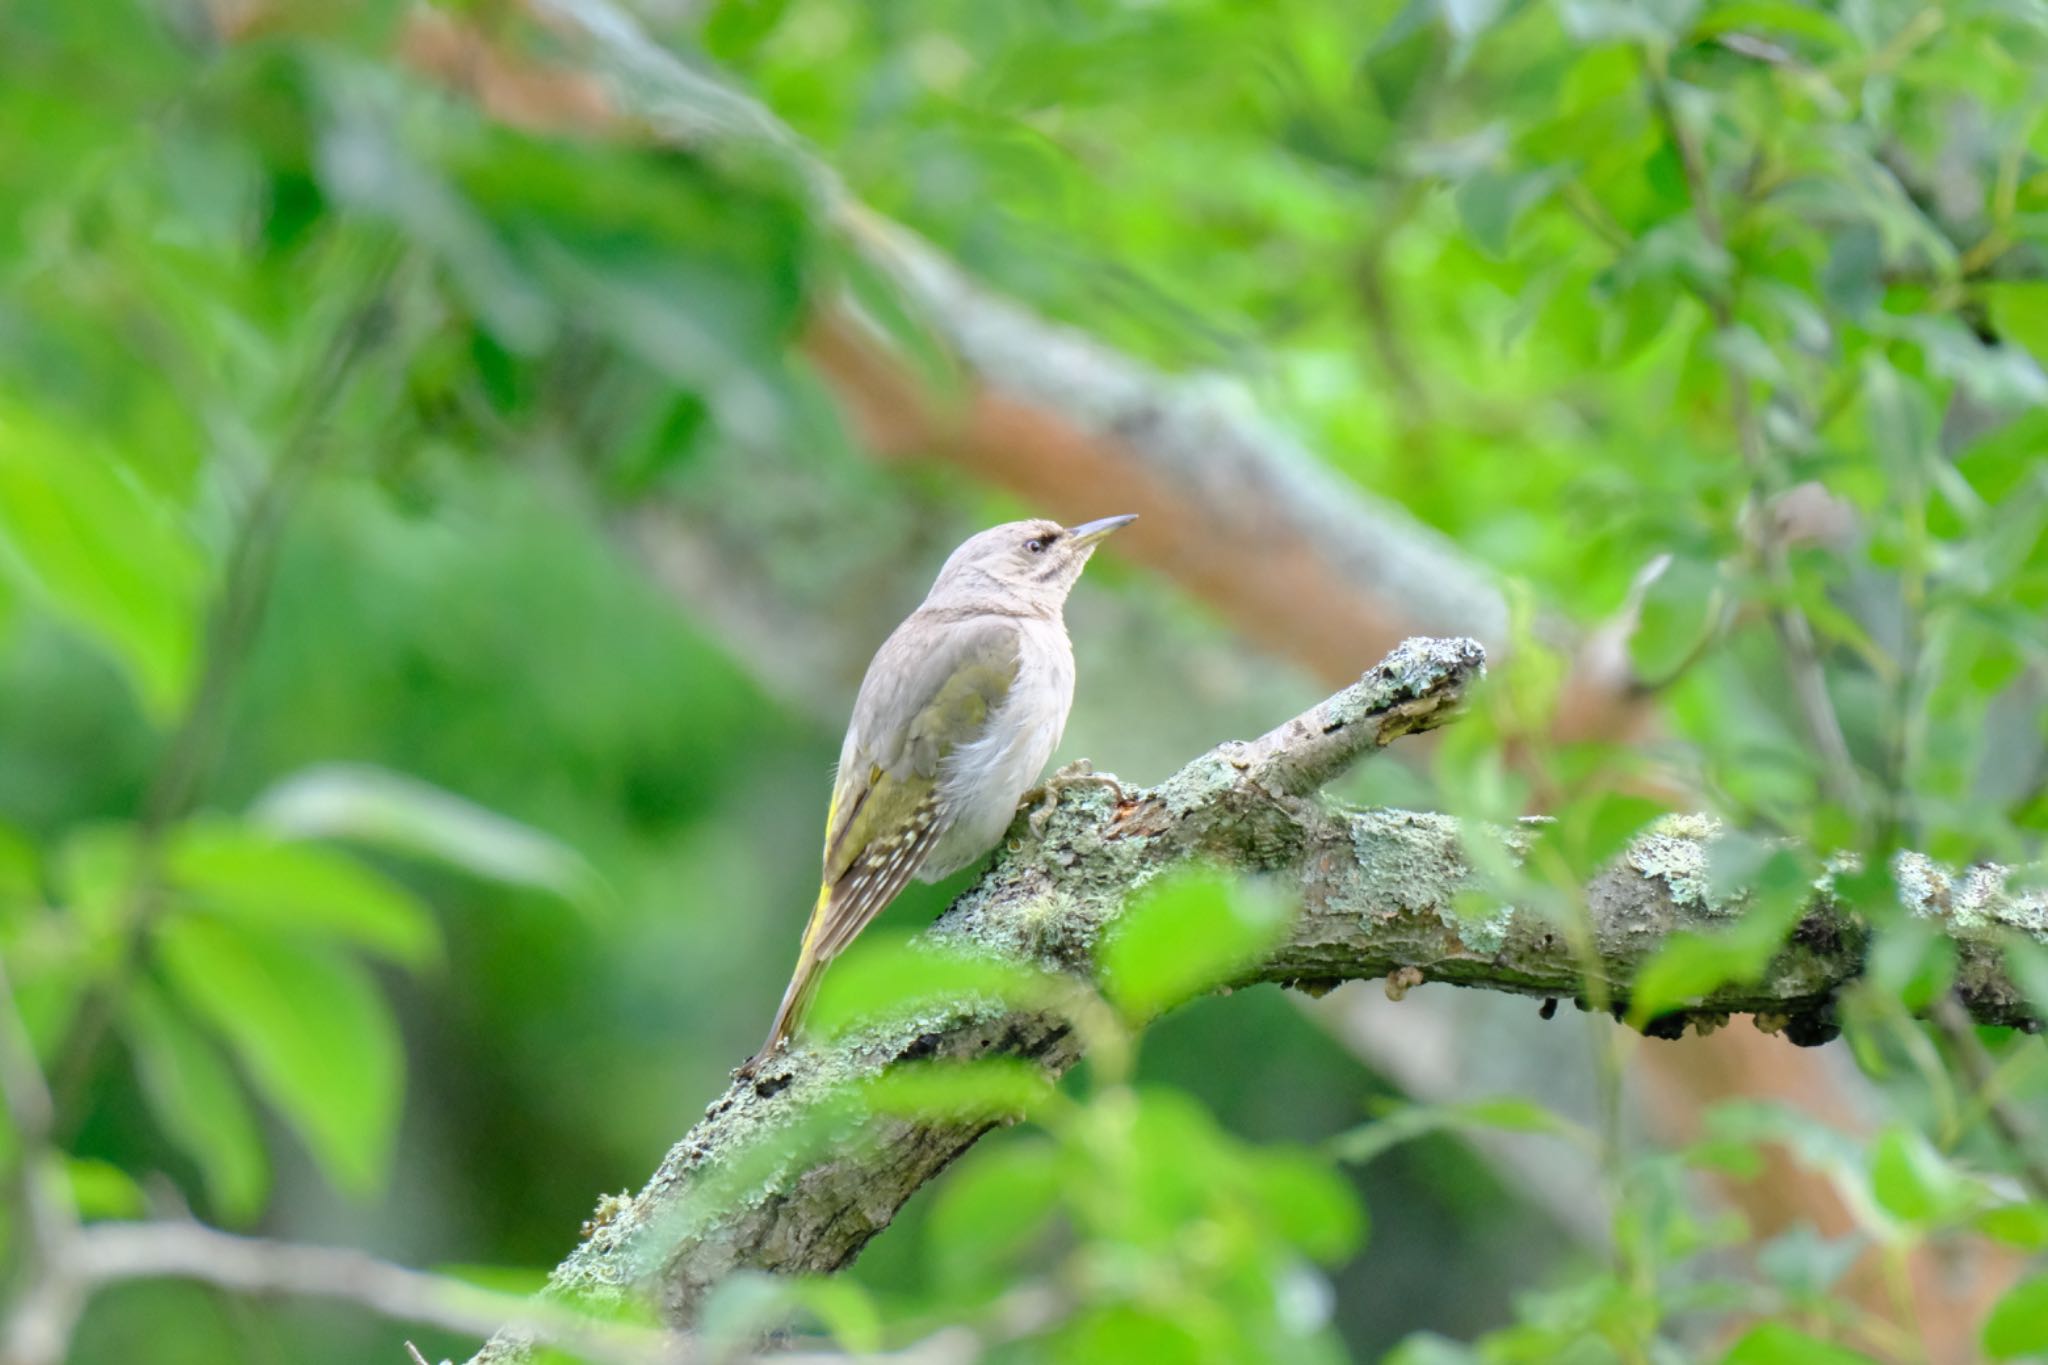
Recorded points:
(781, 1175)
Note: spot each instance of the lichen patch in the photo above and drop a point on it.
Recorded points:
(1977, 899)
(1674, 851)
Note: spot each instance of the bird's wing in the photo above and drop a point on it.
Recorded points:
(947, 679)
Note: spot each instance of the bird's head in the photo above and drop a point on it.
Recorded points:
(1022, 565)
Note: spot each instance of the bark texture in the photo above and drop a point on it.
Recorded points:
(784, 1175)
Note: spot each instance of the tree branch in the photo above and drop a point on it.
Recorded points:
(758, 1184)
(111, 1252)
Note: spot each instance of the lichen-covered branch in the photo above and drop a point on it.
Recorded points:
(781, 1176)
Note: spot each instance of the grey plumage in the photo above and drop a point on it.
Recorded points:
(960, 710)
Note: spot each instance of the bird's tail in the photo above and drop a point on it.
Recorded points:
(810, 970)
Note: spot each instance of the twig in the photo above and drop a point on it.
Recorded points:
(1960, 1032)
(109, 1253)
(1692, 162)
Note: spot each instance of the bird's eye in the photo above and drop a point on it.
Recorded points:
(1036, 545)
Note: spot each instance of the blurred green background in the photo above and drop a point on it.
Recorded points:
(433, 577)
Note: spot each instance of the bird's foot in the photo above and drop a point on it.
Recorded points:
(750, 1068)
(1045, 799)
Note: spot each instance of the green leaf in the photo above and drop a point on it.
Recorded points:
(1816, 1145)
(1781, 18)
(309, 1027)
(1678, 611)
(2028, 963)
(1310, 1204)
(844, 1308)
(1899, 416)
(1511, 1114)
(2001, 376)
(95, 873)
(104, 550)
(1805, 1265)
(733, 30)
(1184, 936)
(101, 1189)
(1410, 1121)
(1596, 827)
(250, 875)
(1691, 966)
(1120, 1332)
(20, 871)
(363, 166)
(2017, 1225)
(741, 1309)
(2019, 312)
(1743, 350)
(1913, 962)
(193, 1094)
(883, 979)
(2018, 1324)
(1912, 1182)
(1773, 1343)
(1604, 21)
(1852, 282)
(979, 1090)
(1405, 56)
(991, 1209)
(401, 814)
(1491, 203)
(1427, 1348)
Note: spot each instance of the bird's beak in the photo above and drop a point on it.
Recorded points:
(1088, 532)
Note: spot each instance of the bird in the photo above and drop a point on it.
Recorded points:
(959, 712)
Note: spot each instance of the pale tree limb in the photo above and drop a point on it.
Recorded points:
(1380, 891)
(109, 1253)
(1233, 507)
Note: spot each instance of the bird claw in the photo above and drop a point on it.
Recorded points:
(1045, 798)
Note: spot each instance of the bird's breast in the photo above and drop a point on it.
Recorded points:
(981, 781)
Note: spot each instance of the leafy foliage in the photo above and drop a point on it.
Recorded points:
(372, 828)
